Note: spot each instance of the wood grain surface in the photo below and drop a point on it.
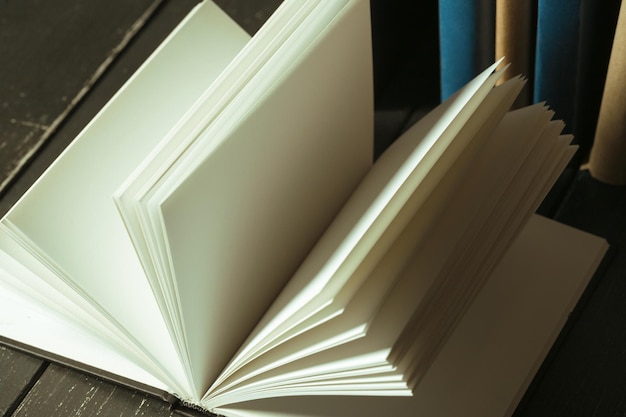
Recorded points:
(52, 52)
(18, 373)
(62, 392)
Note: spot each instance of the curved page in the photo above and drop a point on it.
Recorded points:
(243, 207)
(492, 355)
(69, 216)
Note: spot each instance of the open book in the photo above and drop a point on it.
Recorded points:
(218, 232)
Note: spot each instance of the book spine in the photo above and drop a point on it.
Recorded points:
(466, 41)
(598, 20)
(556, 56)
(607, 161)
(514, 41)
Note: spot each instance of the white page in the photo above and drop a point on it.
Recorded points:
(460, 217)
(360, 212)
(358, 314)
(23, 275)
(33, 322)
(239, 224)
(382, 332)
(484, 216)
(485, 181)
(501, 150)
(207, 108)
(372, 245)
(360, 305)
(495, 351)
(69, 214)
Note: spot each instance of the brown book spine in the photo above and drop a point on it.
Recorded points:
(607, 161)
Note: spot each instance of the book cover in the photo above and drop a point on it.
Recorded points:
(466, 41)
(514, 40)
(556, 57)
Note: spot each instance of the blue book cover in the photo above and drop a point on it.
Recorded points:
(467, 41)
(556, 56)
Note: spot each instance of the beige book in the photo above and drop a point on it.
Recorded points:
(513, 41)
(607, 161)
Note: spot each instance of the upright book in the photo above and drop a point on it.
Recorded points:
(466, 41)
(556, 56)
(218, 232)
(513, 40)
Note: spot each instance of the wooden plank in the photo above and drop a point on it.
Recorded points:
(17, 373)
(162, 22)
(52, 53)
(63, 392)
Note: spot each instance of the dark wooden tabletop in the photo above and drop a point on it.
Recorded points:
(61, 61)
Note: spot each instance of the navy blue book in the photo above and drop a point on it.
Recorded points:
(466, 36)
(556, 56)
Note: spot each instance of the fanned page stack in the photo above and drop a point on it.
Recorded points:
(218, 232)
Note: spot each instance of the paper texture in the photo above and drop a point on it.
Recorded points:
(69, 216)
(495, 351)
